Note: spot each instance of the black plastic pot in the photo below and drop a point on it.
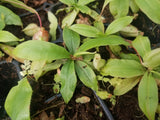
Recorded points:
(9, 77)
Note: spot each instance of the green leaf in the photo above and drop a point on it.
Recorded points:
(53, 25)
(17, 103)
(129, 56)
(40, 50)
(6, 36)
(150, 8)
(85, 30)
(84, 9)
(99, 25)
(156, 75)
(148, 95)
(142, 45)
(152, 58)
(10, 18)
(125, 85)
(68, 81)
(133, 6)
(119, 8)
(71, 39)
(84, 2)
(96, 16)
(102, 41)
(123, 68)
(2, 24)
(118, 24)
(86, 75)
(19, 4)
(68, 2)
(69, 19)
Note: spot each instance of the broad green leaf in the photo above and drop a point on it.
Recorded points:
(17, 104)
(96, 16)
(71, 39)
(118, 24)
(69, 19)
(105, 4)
(40, 50)
(6, 36)
(68, 2)
(119, 8)
(148, 95)
(84, 9)
(129, 56)
(2, 24)
(152, 58)
(19, 4)
(125, 85)
(85, 30)
(102, 41)
(10, 18)
(142, 45)
(133, 6)
(123, 68)
(68, 81)
(151, 8)
(86, 75)
(53, 25)
(156, 74)
(99, 25)
(84, 2)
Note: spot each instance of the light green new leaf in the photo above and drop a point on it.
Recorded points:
(151, 8)
(40, 50)
(69, 19)
(148, 95)
(118, 24)
(68, 2)
(123, 68)
(53, 25)
(133, 6)
(142, 45)
(152, 58)
(125, 85)
(86, 75)
(71, 39)
(6, 36)
(19, 4)
(68, 81)
(99, 25)
(85, 30)
(102, 41)
(119, 8)
(84, 2)
(10, 18)
(17, 103)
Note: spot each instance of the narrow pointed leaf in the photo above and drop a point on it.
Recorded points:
(84, 2)
(152, 58)
(6, 36)
(102, 41)
(105, 4)
(10, 18)
(68, 2)
(150, 8)
(119, 8)
(123, 68)
(40, 50)
(133, 6)
(68, 81)
(86, 75)
(71, 39)
(125, 85)
(118, 24)
(142, 45)
(53, 25)
(148, 95)
(85, 30)
(69, 19)
(84, 9)
(17, 103)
